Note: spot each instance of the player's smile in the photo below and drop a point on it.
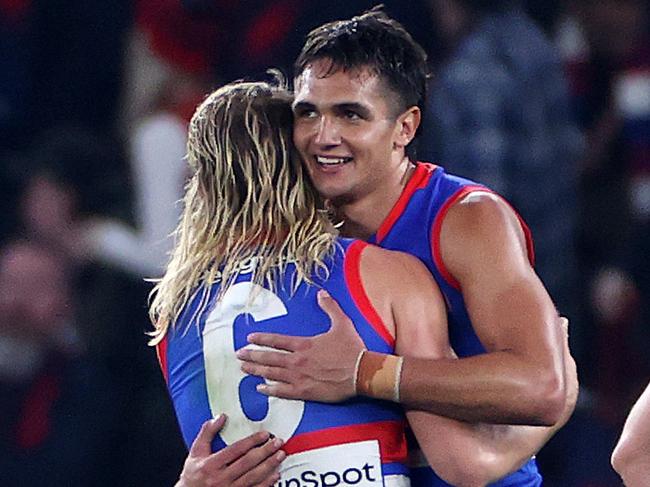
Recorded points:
(344, 130)
(330, 161)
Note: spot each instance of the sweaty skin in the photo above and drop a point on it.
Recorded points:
(411, 307)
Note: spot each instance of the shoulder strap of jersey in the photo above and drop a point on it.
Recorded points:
(352, 267)
(437, 227)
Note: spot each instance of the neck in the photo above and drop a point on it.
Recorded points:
(363, 217)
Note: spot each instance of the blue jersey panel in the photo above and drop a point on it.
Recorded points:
(204, 376)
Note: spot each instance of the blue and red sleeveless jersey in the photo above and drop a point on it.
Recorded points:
(204, 377)
(413, 226)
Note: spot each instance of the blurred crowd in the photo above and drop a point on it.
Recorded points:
(547, 102)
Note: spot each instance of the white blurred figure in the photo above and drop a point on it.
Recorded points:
(156, 151)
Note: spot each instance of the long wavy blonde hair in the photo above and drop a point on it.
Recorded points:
(248, 198)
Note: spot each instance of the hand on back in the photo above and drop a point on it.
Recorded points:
(252, 461)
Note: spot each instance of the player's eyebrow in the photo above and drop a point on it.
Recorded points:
(303, 105)
(362, 110)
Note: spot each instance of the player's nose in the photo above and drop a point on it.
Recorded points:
(328, 132)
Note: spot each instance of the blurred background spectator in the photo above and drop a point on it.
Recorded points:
(499, 113)
(57, 400)
(610, 75)
(156, 151)
(546, 101)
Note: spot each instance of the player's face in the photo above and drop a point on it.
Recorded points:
(345, 131)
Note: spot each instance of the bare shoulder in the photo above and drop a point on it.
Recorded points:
(481, 229)
(397, 269)
(480, 210)
(399, 279)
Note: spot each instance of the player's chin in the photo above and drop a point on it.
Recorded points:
(328, 189)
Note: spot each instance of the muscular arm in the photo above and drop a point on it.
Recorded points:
(631, 457)
(410, 303)
(521, 380)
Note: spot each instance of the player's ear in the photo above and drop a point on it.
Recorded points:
(405, 127)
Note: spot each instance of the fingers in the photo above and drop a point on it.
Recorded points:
(201, 444)
(280, 342)
(331, 307)
(564, 322)
(270, 482)
(253, 460)
(265, 357)
(240, 448)
(284, 391)
(270, 373)
(258, 465)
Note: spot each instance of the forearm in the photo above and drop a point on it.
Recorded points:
(497, 387)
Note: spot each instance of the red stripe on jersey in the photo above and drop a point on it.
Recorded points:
(419, 180)
(161, 352)
(528, 235)
(437, 226)
(352, 271)
(390, 434)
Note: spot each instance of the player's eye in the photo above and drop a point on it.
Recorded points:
(351, 115)
(307, 113)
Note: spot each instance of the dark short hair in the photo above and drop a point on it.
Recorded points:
(374, 41)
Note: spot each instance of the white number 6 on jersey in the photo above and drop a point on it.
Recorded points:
(222, 371)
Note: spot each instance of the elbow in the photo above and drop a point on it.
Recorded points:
(548, 398)
(463, 479)
(478, 471)
(629, 462)
(619, 459)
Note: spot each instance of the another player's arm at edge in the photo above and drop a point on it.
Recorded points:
(412, 307)
(631, 457)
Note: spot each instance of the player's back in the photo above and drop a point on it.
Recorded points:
(327, 444)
